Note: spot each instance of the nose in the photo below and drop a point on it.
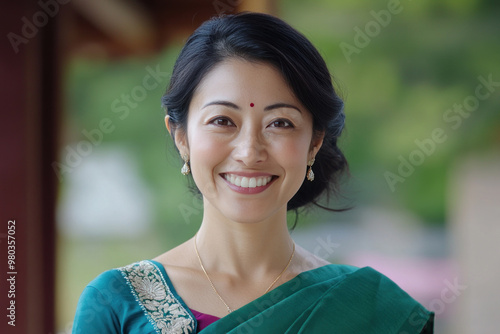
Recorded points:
(250, 148)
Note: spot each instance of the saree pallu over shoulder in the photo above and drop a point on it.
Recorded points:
(159, 303)
(331, 299)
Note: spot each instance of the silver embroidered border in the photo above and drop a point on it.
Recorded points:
(157, 301)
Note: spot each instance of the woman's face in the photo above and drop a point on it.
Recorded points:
(249, 140)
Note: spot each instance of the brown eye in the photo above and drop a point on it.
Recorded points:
(221, 121)
(281, 123)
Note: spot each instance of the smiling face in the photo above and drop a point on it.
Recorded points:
(249, 140)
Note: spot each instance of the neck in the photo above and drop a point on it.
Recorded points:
(244, 249)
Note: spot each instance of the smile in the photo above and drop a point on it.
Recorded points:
(247, 182)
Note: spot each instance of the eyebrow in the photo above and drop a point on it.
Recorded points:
(281, 105)
(234, 106)
(222, 103)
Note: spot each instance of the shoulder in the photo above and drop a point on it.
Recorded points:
(369, 279)
(135, 297)
(368, 283)
(109, 293)
(105, 290)
(116, 282)
(99, 303)
(380, 300)
(305, 261)
(179, 256)
(107, 281)
(360, 300)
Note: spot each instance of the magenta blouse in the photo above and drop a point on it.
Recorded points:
(203, 319)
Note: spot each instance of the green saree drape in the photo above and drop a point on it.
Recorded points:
(330, 299)
(140, 298)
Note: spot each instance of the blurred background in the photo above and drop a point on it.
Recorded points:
(421, 83)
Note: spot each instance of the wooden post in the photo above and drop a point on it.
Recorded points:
(29, 93)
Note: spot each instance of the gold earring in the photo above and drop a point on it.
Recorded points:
(185, 168)
(310, 173)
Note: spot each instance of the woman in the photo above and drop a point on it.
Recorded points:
(254, 115)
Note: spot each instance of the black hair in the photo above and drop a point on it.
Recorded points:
(264, 38)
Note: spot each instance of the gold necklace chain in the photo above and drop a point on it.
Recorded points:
(229, 310)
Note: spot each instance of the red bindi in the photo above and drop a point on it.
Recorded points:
(251, 104)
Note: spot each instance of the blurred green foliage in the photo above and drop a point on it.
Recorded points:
(399, 86)
(397, 90)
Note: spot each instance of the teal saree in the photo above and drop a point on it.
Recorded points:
(140, 298)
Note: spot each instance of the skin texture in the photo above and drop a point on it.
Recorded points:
(243, 240)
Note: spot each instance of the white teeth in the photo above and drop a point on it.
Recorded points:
(246, 182)
(252, 183)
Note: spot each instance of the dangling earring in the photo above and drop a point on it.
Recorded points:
(185, 168)
(310, 173)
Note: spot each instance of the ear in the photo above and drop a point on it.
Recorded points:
(179, 136)
(316, 143)
(167, 124)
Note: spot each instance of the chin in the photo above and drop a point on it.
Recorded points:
(250, 215)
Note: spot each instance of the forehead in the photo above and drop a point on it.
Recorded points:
(244, 81)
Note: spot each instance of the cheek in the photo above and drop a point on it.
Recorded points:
(293, 153)
(206, 152)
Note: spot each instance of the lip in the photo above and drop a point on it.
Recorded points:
(245, 190)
